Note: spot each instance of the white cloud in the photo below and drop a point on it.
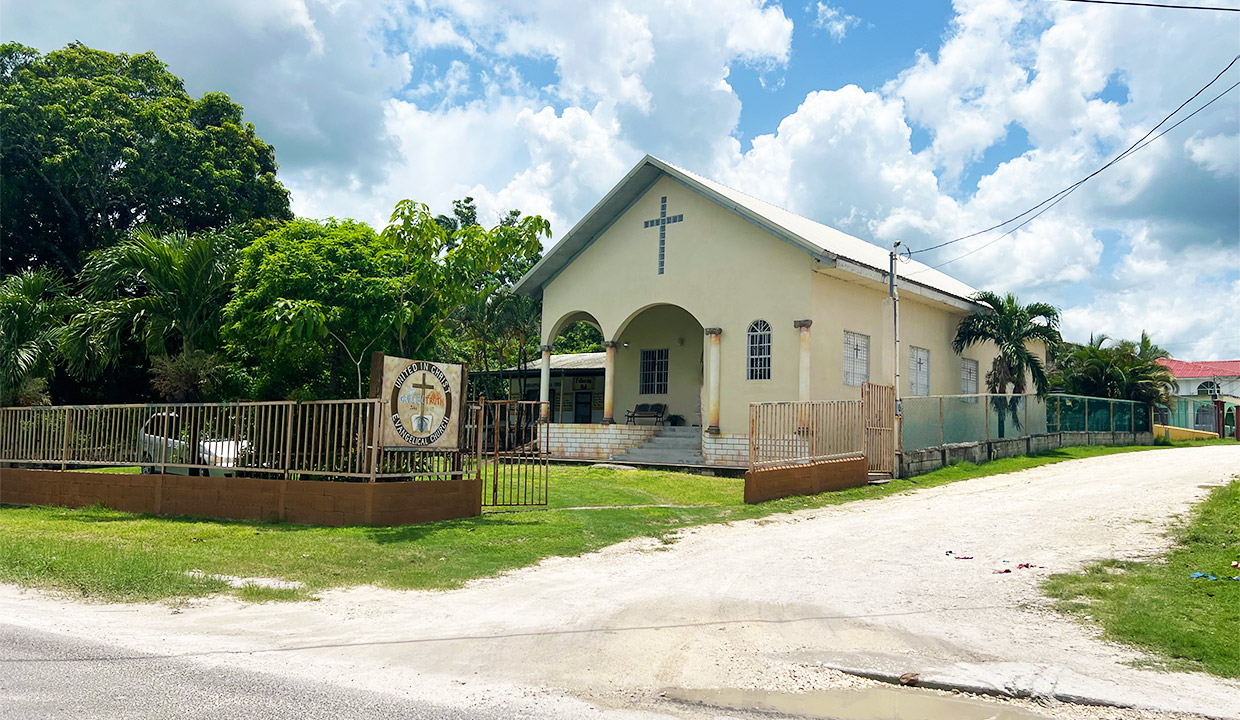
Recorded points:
(1152, 243)
(433, 33)
(836, 22)
(1216, 153)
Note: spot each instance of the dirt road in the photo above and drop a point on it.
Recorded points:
(758, 604)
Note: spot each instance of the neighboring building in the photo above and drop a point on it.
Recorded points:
(709, 299)
(1207, 394)
(576, 387)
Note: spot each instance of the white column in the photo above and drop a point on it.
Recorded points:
(544, 383)
(804, 376)
(713, 334)
(609, 382)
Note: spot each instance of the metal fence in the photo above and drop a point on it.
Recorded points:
(1191, 413)
(790, 432)
(932, 421)
(331, 439)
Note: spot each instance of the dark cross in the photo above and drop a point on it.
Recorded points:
(662, 222)
(423, 386)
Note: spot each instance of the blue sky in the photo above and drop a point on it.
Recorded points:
(919, 121)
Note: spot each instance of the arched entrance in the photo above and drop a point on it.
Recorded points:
(659, 360)
(573, 386)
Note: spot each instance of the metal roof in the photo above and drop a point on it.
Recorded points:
(1205, 369)
(841, 250)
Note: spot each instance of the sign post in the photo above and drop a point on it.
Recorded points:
(421, 403)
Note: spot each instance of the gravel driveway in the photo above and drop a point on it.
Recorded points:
(770, 603)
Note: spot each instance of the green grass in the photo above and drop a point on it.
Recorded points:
(104, 554)
(1193, 624)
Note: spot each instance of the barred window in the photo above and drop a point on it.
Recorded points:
(653, 372)
(759, 350)
(856, 358)
(968, 377)
(918, 371)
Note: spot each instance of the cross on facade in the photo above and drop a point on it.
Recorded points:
(662, 222)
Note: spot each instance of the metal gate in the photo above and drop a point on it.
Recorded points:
(880, 427)
(511, 441)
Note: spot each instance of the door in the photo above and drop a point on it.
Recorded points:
(583, 403)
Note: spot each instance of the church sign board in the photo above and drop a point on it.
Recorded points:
(422, 402)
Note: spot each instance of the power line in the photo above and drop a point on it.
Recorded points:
(1156, 5)
(1053, 199)
(1065, 193)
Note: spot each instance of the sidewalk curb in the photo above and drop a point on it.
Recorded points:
(939, 683)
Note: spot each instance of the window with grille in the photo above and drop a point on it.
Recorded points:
(653, 372)
(968, 377)
(1162, 416)
(759, 350)
(918, 371)
(856, 358)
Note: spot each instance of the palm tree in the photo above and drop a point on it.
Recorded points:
(34, 305)
(1123, 371)
(1011, 327)
(164, 289)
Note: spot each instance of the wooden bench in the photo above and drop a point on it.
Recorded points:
(646, 411)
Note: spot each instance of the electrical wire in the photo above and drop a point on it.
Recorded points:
(1054, 198)
(1071, 189)
(1155, 5)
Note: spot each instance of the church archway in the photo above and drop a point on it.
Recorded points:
(576, 370)
(660, 360)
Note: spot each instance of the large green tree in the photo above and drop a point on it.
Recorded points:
(311, 301)
(447, 273)
(1012, 328)
(93, 144)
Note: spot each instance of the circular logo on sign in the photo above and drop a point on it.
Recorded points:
(421, 403)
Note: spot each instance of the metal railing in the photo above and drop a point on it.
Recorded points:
(326, 438)
(782, 433)
(936, 420)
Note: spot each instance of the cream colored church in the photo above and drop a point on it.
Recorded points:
(709, 299)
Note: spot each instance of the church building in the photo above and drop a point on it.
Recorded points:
(709, 300)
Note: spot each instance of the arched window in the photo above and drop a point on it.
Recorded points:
(1209, 387)
(759, 350)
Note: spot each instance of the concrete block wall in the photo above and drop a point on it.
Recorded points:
(310, 502)
(589, 441)
(730, 449)
(918, 462)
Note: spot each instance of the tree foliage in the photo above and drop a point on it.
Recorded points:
(34, 306)
(161, 289)
(1012, 327)
(94, 144)
(310, 299)
(450, 271)
(1125, 370)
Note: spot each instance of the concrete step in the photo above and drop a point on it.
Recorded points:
(671, 458)
(673, 443)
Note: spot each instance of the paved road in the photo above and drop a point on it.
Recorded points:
(45, 675)
(768, 604)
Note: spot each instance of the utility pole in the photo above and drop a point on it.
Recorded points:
(893, 291)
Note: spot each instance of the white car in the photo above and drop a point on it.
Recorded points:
(166, 433)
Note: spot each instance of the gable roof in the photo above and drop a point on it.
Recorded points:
(1187, 369)
(827, 244)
